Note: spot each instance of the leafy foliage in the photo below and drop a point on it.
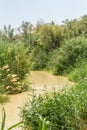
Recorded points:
(38, 58)
(68, 56)
(15, 56)
(63, 110)
(50, 36)
(61, 49)
(13, 68)
(79, 72)
(9, 82)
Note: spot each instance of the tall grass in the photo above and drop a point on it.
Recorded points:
(15, 56)
(64, 110)
(42, 124)
(13, 67)
(3, 119)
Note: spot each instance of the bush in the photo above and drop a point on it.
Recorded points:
(63, 60)
(38, 58)
(15, 56)
(13, 67)
(9, 81)
(63, 110)
(79, 72)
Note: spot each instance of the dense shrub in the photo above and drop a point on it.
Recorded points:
(15, 56)
(51, 36)
(79, 72)
(13, 67)
(10, 82)
(70, 54)
(63, 110)
(38, 58)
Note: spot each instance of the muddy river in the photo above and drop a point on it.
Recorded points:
(40, 82)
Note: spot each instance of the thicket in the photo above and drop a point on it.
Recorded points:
(58, 49)
(13, 68)
(79, 72)
(48, 45)
(69, 56)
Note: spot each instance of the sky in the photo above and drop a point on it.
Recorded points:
(15, 11)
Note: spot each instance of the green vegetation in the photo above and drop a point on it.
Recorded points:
(60, 49)
(14, 55)
(79, 73)
(65, 110)
(13, 68)
(69, 56)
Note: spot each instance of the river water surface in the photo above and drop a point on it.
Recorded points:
(40, 81)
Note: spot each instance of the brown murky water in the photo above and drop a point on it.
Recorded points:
(40, 81)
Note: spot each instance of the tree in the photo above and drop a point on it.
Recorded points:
(8, 32)
(26, 30)
(51, 36)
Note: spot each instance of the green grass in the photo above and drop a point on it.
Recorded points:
(64, 110)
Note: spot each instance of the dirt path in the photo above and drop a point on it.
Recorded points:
(40, 81)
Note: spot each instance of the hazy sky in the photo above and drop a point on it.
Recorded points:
(15, 11)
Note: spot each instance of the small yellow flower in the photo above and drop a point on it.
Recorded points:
(13, 75)
(8, 87)
(8, 70)
(5, 67)
(19, 83)
(9, 75)
(14, 80)
(9, 49)
(15, 83)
